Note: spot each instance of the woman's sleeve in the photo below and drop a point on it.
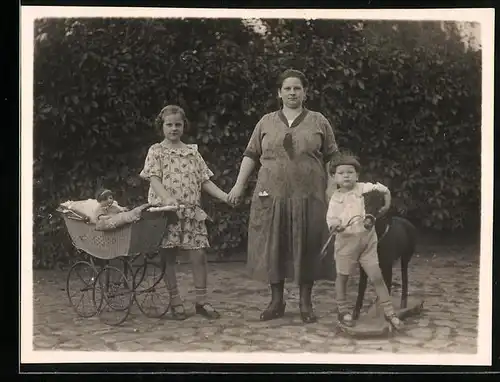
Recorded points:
(330, 147)
(152, 164)
(254, 147)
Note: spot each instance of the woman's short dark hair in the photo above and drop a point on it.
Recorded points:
(169, 110)
(292, 73)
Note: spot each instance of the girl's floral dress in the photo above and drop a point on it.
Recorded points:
(182, 172)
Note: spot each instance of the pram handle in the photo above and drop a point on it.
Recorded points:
(162, 208)
(179, 206)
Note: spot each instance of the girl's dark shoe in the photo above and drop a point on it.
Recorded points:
(178, 312)
(395, 322)
(346, 319)
(273, 311)
(206, 310)
(308, 316)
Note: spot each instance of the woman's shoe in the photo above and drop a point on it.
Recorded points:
(178, 312)
(272, 313)
(206, 310)
(346, 319)
(307, 315)
(394, 321)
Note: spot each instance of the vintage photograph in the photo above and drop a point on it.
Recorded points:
(248, 186)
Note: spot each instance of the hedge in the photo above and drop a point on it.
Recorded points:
(404, 96)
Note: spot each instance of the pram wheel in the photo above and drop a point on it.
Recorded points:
(112, 295)
(151, 292)
(79, 288)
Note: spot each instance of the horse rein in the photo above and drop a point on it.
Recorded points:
(351, 221)
(387, 227)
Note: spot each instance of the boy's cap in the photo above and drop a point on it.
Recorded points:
(346, 160)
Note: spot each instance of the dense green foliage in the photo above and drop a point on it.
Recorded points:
(404, 96)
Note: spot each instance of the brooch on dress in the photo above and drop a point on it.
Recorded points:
(263, 193)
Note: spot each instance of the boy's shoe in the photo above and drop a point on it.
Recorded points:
(394, 321)
(346, 319)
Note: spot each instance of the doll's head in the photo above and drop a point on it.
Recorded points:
(105, 197)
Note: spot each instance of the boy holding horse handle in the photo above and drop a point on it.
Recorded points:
(356, 239)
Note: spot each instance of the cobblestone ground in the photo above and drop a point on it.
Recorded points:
(446, 278)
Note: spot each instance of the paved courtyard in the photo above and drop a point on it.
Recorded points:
(446, 278)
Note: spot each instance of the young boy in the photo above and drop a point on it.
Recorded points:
(354, 243)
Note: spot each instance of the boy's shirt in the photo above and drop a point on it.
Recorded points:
(344, 205)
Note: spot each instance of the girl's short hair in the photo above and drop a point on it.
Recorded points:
(292, 73)
(169, 110)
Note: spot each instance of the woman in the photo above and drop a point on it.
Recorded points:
(287, 224)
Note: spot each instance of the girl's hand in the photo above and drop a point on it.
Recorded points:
(226, 200)
(236, 194)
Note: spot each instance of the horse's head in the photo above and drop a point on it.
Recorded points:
(374, 201)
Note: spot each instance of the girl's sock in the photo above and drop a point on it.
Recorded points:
(175, 297)
(201, 295)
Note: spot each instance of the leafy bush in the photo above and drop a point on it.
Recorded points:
(405, 96)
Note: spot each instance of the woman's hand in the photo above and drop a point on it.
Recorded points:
(236, 194)
(226, 200)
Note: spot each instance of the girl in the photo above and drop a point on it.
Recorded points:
(356, 243)
(177, 174)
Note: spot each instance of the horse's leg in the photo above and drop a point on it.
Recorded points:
(405, 261)
(404, 280)
(386, 269)
(363, 280)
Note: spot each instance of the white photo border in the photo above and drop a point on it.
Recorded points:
(483, 357)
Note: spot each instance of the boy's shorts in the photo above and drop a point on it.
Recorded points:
(354, 248)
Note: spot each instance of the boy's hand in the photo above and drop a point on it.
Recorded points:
(383, 210)
(336, 228)
(368, 223)
(333, 223)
